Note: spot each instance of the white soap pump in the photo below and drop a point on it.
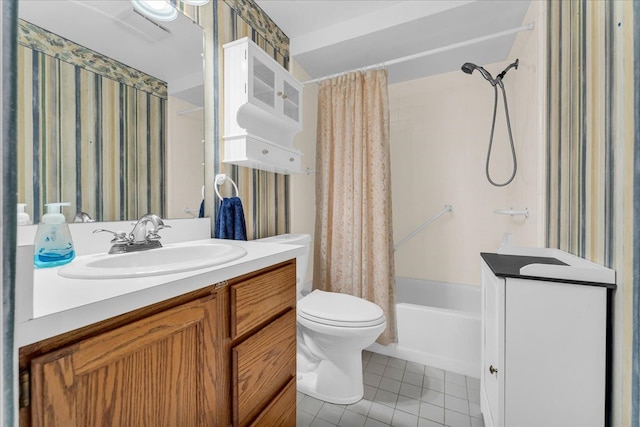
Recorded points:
(23, 217)
(53, 244)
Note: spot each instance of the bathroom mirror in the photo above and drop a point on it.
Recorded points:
(111, 115)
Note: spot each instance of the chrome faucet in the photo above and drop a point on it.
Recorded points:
(141, 238)
(140, 234)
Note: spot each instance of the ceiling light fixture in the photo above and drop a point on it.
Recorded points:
(156, 9)
(196, 2)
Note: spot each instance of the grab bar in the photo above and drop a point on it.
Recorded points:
(447, 208)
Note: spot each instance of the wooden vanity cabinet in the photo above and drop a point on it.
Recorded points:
(175, 363)
(154, 371)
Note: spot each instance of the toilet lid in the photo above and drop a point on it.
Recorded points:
(332, 308)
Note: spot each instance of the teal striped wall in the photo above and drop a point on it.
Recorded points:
(593, 165)
(265, 195)
(91, 131)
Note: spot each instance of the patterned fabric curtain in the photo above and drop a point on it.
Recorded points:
(353, 238)
(591, 153)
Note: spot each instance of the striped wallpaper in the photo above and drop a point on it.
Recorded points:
(593, 177)
(265, 195)
(87, 134)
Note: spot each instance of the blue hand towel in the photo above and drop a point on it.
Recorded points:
(201, 211)
(230, 222)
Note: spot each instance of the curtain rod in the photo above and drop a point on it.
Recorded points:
(527, 27)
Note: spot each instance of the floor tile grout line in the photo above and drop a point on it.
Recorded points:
(394, 407)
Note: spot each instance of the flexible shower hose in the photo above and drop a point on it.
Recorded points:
(493, 125)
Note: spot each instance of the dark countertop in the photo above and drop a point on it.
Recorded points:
(510, 265)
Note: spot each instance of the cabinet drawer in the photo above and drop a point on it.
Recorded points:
(254, 152)
(271, 154)
(257, 300)
(261, 366)
(281, 412)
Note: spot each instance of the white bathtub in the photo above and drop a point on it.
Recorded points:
(438, 325)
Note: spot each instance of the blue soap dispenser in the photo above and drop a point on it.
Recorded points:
(53, 245)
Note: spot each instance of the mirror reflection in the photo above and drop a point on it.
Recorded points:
(110, 110)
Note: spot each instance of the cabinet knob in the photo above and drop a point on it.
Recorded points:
(265, 152)
(284, 96)
(291, 159)
(492, 369)
(279, 93)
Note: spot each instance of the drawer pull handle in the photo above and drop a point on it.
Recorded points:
(291, 159)
(265, 152)
(492, 369)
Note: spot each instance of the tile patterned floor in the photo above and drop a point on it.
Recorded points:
(398, 393)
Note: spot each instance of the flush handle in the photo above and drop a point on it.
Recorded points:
(492, 369)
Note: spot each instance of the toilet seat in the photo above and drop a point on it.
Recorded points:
(336, 309)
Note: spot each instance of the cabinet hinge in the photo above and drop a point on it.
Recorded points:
(245, 54)
(221, 284)
(24, 389)
(245, 88)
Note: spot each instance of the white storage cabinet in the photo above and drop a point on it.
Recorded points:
(544, 340)
(263, 110)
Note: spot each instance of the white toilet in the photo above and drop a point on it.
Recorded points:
(333, 329)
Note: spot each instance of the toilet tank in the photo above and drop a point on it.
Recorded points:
(302, 260)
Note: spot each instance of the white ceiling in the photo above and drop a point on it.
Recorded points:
(170, 51)
(332, 36)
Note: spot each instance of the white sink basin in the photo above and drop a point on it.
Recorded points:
(153, 262)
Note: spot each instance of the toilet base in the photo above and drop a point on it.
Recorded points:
(338, 380)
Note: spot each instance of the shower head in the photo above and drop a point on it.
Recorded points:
(468, 68)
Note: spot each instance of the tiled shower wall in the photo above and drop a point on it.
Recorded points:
(440, 129)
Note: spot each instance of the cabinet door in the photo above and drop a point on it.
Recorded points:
(158, 371)
(291, 100)
(262, 82)
(492, 375)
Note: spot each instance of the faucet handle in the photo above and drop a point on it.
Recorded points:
(153, 233)
(119, 237)
(83, 217)
(157, 226)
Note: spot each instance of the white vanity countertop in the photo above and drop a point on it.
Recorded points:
(61, 305)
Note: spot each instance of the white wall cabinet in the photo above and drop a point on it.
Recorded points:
(263, 110)
(544, 345)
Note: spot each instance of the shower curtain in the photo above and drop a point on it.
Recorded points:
(353, 236)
